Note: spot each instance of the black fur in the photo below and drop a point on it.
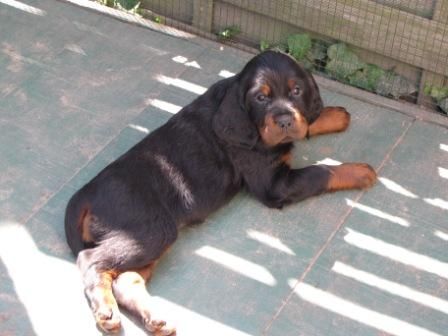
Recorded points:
(191, 166)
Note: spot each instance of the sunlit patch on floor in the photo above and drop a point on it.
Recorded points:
(182, 84)
(378, 213)
(165, 106)
(440, 203)
(139, 128)
(444, 147)
(122, 15)
(391, 287)
(328, 162)
(24, 7)
(237, 264)
(45, 285)
(226, 74)
(397, 253)
(443, 172)
(270, 241)
(75, 48)
(188, 322)
(183, 60)
(395, 187)
(441, 235)
(357, 312)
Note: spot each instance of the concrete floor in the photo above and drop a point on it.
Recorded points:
(78, 88)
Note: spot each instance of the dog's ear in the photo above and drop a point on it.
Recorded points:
(231, 122)
(315, 104)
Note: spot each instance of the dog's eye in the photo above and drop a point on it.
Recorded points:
(296, 91)
(261, 98)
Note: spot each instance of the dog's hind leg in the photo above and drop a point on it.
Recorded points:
(98, 290)
(130, 291)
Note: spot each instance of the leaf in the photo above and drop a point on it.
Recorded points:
(439, 93)
(281, 47)
(342, 70)
(427, 89)
(228, 33)
(444, 105)
(264, 45)
(367, 78)
(128, 4)
(307, 64)
(394, 85)
(336, 50)
(299, 45)
(343, 62)
(318, 51)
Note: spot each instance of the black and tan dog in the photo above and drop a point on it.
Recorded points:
(239, 134)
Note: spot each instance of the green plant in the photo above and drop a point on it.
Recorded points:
(443, 104)
(438, 93)
(108, 3)
(343, 62)
(128, 5)
(391, 84)
(367, 78)
(228, 33)
(318, 51)
(157, 19)
(281, 47)
(131, 6)
(299, 46)
(264, 45)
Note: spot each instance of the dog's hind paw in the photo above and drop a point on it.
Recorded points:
(159, 328)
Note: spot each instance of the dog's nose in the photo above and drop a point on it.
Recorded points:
(284, 120)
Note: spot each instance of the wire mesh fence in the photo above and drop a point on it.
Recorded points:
(394, 48)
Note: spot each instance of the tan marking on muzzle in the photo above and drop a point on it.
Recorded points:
(272, 134)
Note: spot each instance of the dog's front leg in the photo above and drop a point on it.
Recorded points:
(332, 119)
(298, 184)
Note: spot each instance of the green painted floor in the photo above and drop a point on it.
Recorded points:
(78, 88)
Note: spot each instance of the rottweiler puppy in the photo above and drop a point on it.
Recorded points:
(239, 134)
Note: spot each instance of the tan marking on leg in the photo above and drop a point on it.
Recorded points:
(130, 290)
(331, 120)
(286, 159)
(84, 225)
(103, 303)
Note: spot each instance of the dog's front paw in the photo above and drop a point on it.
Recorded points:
(332, 119)
(340, 117)
(351, 176)
(364, 175)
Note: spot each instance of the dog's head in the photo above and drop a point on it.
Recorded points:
(273, 99)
